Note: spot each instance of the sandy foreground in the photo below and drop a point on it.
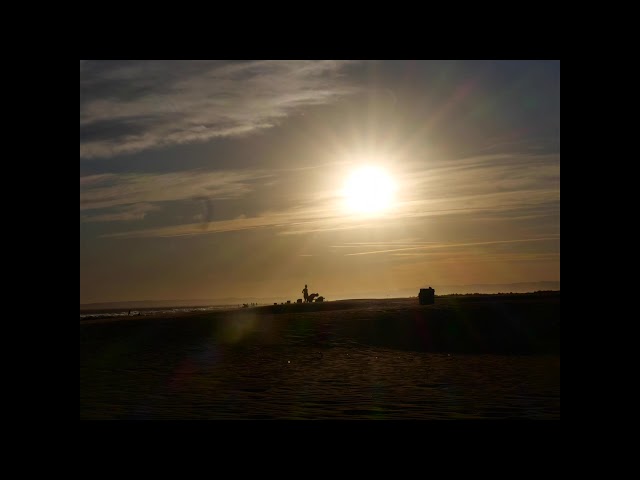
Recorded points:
(465, 357)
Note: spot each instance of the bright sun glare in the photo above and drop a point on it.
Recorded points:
(368, 190)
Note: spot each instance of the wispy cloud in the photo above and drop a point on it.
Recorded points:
(280, 219)
(431, 245)
(494, 187)
(124, 214)
(289, 222)
(449, 257)
(93, 180)
(484, 175)
(105, 191)
(128, 106)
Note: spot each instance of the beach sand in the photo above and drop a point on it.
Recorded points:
(465, 357)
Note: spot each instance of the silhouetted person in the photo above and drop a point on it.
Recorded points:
(305, 292)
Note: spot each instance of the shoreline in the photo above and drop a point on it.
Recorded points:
(517, 323)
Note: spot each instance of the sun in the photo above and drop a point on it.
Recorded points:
(368, 190)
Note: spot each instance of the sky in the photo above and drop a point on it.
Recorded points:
(217, 179)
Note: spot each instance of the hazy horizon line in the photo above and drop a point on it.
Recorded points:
(347, 296)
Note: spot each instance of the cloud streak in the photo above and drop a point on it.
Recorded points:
(106, 191)
(488, 187)
(128, 213)
(128, 106)
(430, 245)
